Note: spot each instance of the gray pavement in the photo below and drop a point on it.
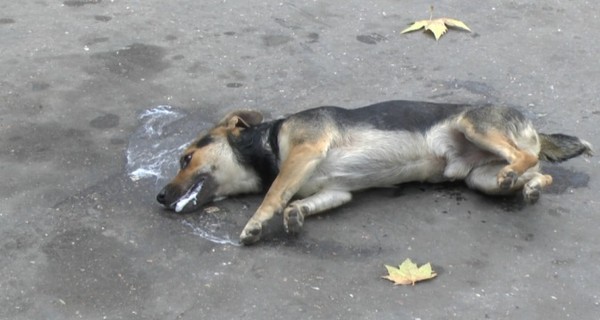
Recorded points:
(81, 237)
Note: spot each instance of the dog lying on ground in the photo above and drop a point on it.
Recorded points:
(320, 156)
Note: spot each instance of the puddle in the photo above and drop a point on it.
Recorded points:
(152, 152)
(564, 179)
(152, 155)
(213, 228)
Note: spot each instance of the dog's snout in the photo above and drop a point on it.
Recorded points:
(161, 196)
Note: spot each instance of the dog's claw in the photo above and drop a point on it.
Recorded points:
(251, 233)
(293, 219)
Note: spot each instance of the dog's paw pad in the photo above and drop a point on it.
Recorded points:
(251, 233)
(293, 220)
(507, 180)
(532, 194)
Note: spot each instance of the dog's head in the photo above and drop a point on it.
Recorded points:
(209, 167)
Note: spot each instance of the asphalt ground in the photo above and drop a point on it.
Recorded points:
(81, 236)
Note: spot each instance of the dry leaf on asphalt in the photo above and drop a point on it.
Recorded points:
(436, 26)
(408, 273)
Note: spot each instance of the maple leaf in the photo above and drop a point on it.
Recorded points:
(408, 273)
(436, 26)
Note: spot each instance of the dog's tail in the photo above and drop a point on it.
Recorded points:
(561, 147)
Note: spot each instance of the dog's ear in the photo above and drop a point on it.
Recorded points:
(241, 119)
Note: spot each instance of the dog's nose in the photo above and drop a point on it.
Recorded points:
(160, 197)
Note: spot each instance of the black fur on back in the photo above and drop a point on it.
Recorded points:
(416, 116)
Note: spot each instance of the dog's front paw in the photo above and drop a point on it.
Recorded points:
(251, 232)
(293, 218)
(507, 179)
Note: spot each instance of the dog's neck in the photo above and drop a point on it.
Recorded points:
(258, 148)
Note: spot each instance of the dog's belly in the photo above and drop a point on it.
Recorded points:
(372, 158)
(378, 174)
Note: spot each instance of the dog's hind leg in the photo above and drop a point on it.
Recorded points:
(294, 214)
(494, 138)
(484, 179)
(533, 188)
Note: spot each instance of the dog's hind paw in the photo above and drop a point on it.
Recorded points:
(532, 193)
(293, 218)
(251, 233)
(506, 180)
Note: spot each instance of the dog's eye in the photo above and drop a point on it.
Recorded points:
(185, 161)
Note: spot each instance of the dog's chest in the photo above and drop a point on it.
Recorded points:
(370, 158)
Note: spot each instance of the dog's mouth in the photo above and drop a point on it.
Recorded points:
(200, 193)
(190, 195)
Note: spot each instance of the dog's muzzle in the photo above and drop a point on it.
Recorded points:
(198, 193)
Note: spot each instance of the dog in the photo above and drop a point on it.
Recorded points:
(318, 157)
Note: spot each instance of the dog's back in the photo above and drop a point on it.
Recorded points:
(397, 115)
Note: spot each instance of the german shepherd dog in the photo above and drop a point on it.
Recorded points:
(318, 157)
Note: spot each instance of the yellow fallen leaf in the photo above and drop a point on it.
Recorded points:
(408, 273)
(436, 26)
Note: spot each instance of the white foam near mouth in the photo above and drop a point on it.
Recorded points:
(189, 196)
(157, 118)
(151, 152)
(211, 233)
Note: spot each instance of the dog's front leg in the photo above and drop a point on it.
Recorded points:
(295, 170)
(294, 214)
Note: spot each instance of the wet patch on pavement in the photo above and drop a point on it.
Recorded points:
(216, 224)
(79, 3)
(7, 21)
(39, 86)
(275, 40)
(102, 18)
(106, 121)
(136, 62)
(564, 179)
(234, 85)
(372, 38)
(156, 144)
